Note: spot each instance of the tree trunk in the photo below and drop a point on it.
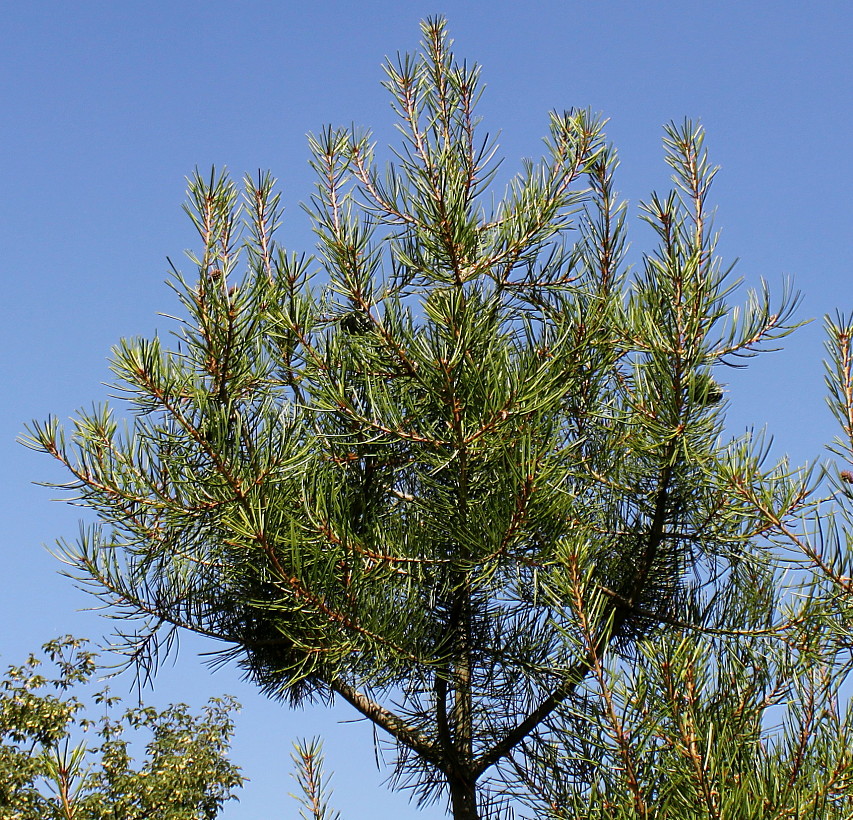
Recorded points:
(463, 799)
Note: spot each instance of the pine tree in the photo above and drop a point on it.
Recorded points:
(466, 471)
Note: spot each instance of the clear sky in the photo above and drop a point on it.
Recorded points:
(106, 106)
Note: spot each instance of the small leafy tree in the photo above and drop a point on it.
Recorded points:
(470, 477)
(48, 768)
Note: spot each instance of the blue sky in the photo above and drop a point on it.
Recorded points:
(106, 106)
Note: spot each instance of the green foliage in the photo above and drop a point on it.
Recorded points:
(313, 783)
(55, 762)
(466, 470)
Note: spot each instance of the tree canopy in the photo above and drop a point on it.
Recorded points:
(49, 771)
(466, 470)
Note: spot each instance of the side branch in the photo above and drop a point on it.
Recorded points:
(523, 729)
(391, 723)
(618, 612)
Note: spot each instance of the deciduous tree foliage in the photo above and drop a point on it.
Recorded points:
(466, 471)
(58, 763)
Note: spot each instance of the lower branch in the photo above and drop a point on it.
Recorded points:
(391, 723)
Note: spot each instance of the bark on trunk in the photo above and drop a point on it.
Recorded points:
(463, 799)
